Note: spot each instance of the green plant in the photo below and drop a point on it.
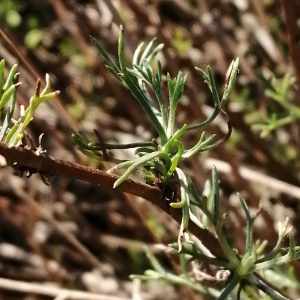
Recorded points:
(278, 90)
(160, 158)
(12, 131)
(242, 269)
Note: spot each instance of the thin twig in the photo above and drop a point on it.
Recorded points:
(102, 144)
(52, 166)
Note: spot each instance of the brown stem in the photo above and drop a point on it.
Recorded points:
(291, 11)
(47, 165)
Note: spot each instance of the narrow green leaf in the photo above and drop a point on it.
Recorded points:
(147, 50)
(133, 166)
(10, 78)
(213, 87)
(8, 94)
(215, 189)
(8, 117)
(249, 222)
(112, 65)
(2, 68)
(136, 54)
(203, 74)
(136, 91)
(231, 82)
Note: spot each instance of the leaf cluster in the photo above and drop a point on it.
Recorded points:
(160, 159)
(12, 131)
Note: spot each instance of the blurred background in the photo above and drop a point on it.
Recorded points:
(86, 237)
